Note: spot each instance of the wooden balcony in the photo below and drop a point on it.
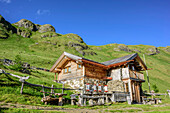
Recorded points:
(136, 75)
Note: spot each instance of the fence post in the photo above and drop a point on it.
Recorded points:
(63, 89)
(43, 91)
(22, 86)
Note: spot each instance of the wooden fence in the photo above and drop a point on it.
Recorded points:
(22, 79)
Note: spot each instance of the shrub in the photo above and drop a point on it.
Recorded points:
(155, 88)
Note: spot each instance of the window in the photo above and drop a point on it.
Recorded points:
(79, 66)
(67, 70)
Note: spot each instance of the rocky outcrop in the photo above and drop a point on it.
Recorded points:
(25, 27)
(49, 35)
(23, 33)
(122, 48)
(167, 48)
(152, 51)
(46, 28)
(6, 28)
(26, 24)
(80, 48)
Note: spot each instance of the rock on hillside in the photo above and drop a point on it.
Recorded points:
(26, 24)
(34, 27)
(46, 28)
(6, 28)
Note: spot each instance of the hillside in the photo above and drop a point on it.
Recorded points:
(40, 46)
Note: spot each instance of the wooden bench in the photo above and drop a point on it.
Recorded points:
(152, 100)
(93, 100)
(49, 99)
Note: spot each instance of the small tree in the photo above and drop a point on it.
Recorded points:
(155, 88)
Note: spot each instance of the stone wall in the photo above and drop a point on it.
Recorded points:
(76, 83)
(115, 85)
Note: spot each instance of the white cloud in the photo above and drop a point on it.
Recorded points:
(42, 12)
(5, 1)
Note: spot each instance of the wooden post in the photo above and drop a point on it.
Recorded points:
(43, 91)
(22, 87)
(91, 102)
(80, 100)
(60, 101)
(107, 101)
(63, 89)
(72, 101)
(84, 101)
(52, 89)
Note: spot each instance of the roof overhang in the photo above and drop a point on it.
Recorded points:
(62, 59)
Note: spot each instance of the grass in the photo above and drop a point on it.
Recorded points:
(44, 51)
(22, 110)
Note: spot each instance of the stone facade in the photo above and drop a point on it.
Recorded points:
(115, 85)
(77, 83)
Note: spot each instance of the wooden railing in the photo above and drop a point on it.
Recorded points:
(137, 75)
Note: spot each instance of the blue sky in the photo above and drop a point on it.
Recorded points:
(98, 22)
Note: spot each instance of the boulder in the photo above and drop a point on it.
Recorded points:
(46, 28)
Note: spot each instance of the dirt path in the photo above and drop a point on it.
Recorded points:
(77, 110)
(67, 110)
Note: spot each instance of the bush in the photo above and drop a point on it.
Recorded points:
(155, 88)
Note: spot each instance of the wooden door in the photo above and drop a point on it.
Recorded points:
(136, 92)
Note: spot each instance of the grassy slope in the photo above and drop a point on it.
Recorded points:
(46, 52)
(160, 63)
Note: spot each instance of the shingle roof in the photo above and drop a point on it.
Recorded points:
(121, 59)
(113, 61)
(74, 57)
